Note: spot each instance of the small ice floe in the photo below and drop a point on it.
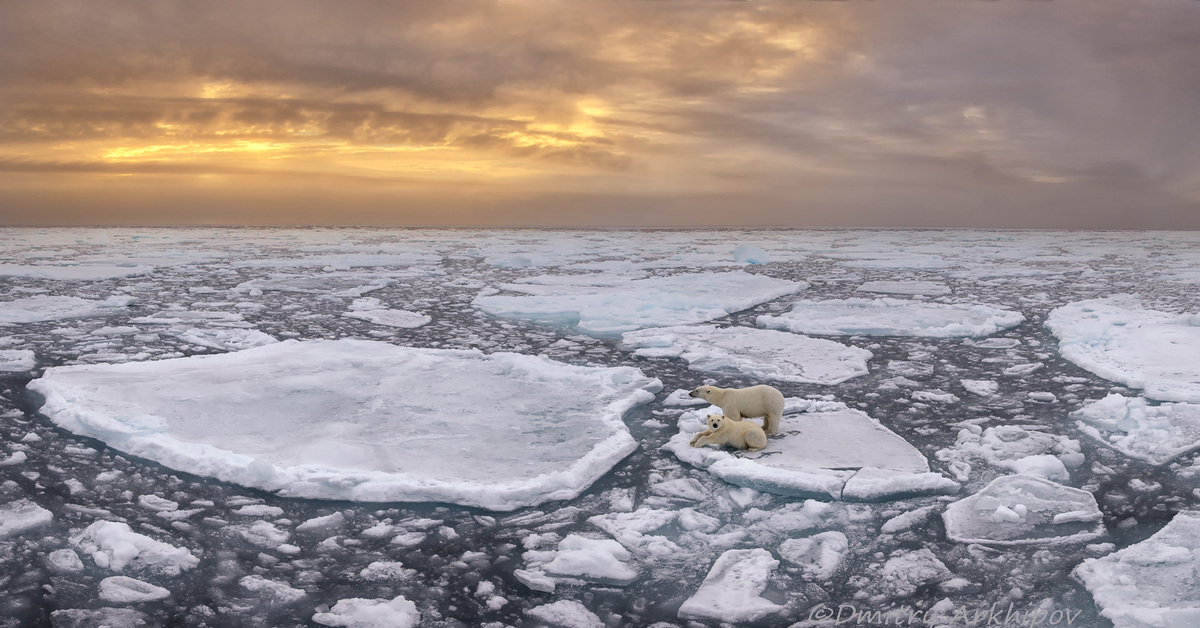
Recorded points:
(892, 317)
(363, 420)
(628, 305)
(1013, 448)
(579, 558)
(1151, 584)
(756, 353)
(374, 311)
(41, 308)
(20, 516)
(980, 387)
(114, 545)
(565, 614)
(357, 612)
(66, 271)
(750, 254)
(732, 590)
(1024, 510)
(16, 360)
(123, 589)
(825, 450)
(914, 288)
(1119, 340)
(1156, 434)
(818, 555)
(338, 284)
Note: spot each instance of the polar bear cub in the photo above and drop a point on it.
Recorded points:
(746, 403)
(740, 434)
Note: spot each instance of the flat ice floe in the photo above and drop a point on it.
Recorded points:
(361, 420)
(923, 288)
(1119, 340)
(601, 305)
(731, 592)
(374, 311)
(1153, 584)
(759, 353)
(1130, 425)
(47, 308)
(892, 317)
(825, 450)
(1024, 510)
(12, 360)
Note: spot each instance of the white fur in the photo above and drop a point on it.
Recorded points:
(746, 403)
(740, 434)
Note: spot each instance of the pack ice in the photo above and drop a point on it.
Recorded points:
(825, 450)
(1130, 425)
(601, 305)
(1153, 584)
(892, 317)
(1119, 340)
(1024, 509)
(758, 353)
(362, 420)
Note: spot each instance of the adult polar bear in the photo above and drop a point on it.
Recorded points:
(746, 403)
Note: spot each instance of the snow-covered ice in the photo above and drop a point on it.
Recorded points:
(1152, 584)
(603, 309)
(357, 612)
(373, 310)
(922, 288)
(57, 308)
(1156, 434)
(758, 353)
(818, 555)
(362, 420)
(20, 516)
(825, 450)
(892, 317)
(1119, 339)
(113, 545)
(16, 360)
(1024, 510)
(732, 590)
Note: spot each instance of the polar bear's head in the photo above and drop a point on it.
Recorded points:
(715, 421)
(703, 392)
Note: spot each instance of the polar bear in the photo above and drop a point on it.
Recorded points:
(722, 431)
(746, 403)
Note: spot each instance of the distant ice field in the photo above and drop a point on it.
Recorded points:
(448, 428)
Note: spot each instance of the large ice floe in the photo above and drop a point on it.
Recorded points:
(892, 317)
(1119, 340)
(824, 450)
(1152, 433)
(1153, 584)
(601, 305)
(362, 420)
(40, 308)
(1024, 509)
(758, 353)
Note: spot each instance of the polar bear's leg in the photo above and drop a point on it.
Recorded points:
(698, 437)
(771, 422)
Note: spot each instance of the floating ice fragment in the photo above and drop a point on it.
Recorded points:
(924, 288)
(991, 516)
(731, 592)
(361, 420)
(1119, 340)
(750, 254)
(51, 308)
(274, 593)
(16, 360)
(892, 317)
(565, 614)
(819, 555)
(114, 545)
(124, 589)
(756, 353)
(1152, 584)
(20, 516)
(1156, 434)
(358, 612)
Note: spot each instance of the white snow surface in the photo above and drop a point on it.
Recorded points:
(1024, 510)
(892, 317)
(55, 308)
(824, 449)
(598, 306)
(362, 420)
(358, 612)
(732, 590)
(1152, 584)
(1152, 433)
(758, 353)
(1119, 340)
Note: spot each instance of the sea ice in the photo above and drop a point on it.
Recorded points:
(338, 284)
(603, 560)
(113, 545)
(123, 589)
(1152, 433)
(362, 420)
(358, 612)
(757, 353)
(20, 516)
(1119, 340)
(565, 614)
(818, 555)
(607, 308)
(53, 308)
(891, 317)
(731, 592)
(374, 311)
(825, 450)
(1024, 510)
(1014, 448)
(73, 272)
(1153, 584)
(923, 288)
(16, 360)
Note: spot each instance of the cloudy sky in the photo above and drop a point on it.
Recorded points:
(682, 113)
